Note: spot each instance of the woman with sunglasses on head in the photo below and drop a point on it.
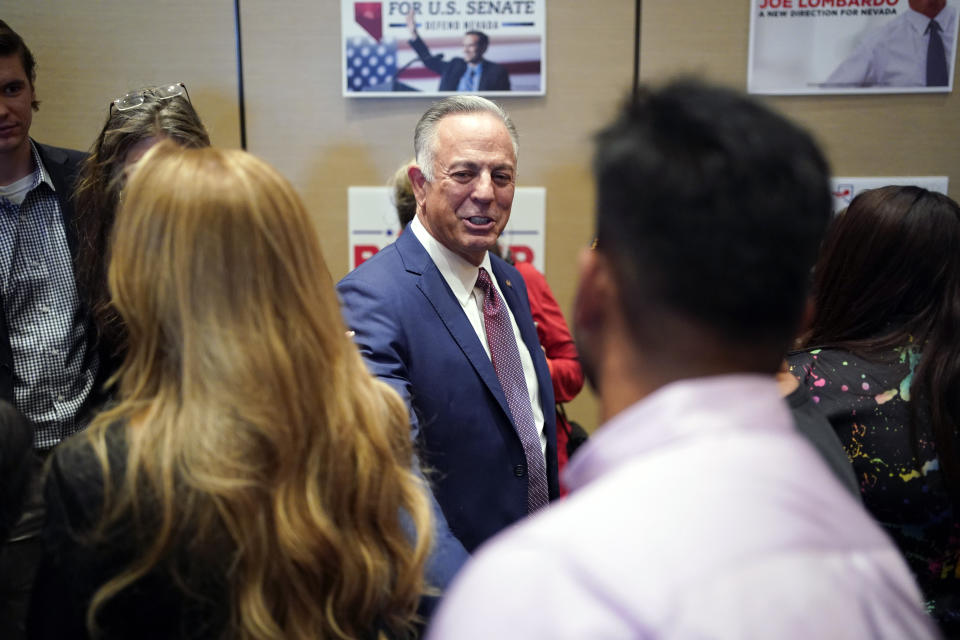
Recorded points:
(136, 122)
(253, 480)
(882, 362)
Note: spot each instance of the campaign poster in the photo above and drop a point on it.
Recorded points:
(852, 46)
(415, 48)
(845, 188)
(372, 224)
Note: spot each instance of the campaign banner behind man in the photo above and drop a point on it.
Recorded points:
(845, 189)
(372, 224)
(852, 46)
(410, 48)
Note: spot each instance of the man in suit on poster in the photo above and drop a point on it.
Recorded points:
(915, 49)
(469, 74)
(448, 325)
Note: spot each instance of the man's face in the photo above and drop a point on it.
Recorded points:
(467, 204)
(16, 112)
(472, 52)
(929, 8)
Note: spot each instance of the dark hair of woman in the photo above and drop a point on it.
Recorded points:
(99, 185)
(889, 274)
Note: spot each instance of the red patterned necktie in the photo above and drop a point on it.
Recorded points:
(506, 362)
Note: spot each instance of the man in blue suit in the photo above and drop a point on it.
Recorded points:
(459, 345)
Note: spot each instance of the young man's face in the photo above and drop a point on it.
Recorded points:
(16, 111)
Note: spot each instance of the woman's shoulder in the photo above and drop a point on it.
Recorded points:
(76, 471)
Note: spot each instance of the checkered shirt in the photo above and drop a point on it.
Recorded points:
(53, 373)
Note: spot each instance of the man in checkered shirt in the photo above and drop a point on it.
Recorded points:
(48, 367)
(48, 363)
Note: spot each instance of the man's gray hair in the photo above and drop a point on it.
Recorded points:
(425, 135)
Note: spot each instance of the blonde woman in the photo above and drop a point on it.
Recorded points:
(253, 481)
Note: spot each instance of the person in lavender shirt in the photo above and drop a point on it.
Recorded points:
(696, 510)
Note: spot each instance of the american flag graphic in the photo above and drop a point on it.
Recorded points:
(371, 65)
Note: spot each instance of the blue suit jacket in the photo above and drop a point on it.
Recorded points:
(414, 335)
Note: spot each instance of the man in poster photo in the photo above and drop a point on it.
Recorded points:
(912, 50)
(469, 74)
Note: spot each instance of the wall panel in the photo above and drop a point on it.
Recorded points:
(90, 52)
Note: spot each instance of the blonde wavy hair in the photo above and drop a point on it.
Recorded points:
(253, 429)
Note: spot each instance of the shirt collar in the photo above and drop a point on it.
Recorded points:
(44, 177)
(680, 410)
(920, 22)
(461, 276)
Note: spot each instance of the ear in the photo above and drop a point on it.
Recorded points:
(596, 296)
(418, 181)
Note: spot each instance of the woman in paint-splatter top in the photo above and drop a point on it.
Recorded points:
(882, 362)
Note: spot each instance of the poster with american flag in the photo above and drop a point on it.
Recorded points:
(416, 48)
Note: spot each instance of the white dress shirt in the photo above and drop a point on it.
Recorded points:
(461, 277)
(895, 55)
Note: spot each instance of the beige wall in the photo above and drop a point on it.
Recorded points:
(89, 53)
(878, 135)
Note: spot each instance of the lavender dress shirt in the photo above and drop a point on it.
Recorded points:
(698, 512)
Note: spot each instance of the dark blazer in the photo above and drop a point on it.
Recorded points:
(63, 165)
(414, 335)
(493, 78)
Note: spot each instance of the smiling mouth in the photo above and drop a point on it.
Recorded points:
(479, 221)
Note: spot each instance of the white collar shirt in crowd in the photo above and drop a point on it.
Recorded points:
(699, 512)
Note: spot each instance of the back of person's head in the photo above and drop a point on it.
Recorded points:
(102, 178)
(889, 267)
(103, 175)
(16, 465)
(264, 443)
(403, 197)
(889, 276)
(11, 44)
(710, 208)
(483, 40)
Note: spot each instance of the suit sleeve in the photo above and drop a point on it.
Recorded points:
(859, 69)
(378, 336)
(430, 62)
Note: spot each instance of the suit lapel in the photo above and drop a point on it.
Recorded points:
(430, 282)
